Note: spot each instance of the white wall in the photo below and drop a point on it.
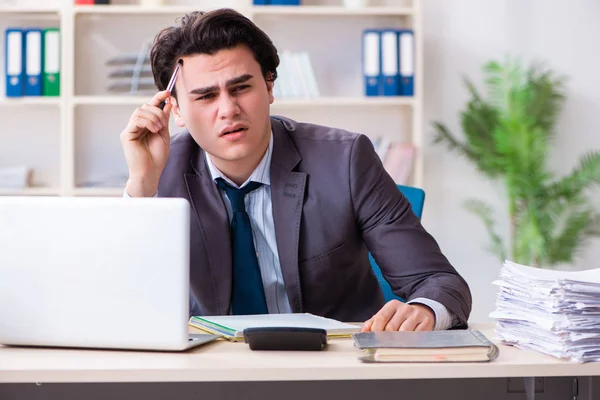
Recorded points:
(460, 36)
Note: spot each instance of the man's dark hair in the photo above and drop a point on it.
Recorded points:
(202, 32)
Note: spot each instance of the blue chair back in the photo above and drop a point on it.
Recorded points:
(416, 198)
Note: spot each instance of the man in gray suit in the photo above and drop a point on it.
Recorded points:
(283, 213)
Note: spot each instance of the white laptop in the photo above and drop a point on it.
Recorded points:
(95, 273)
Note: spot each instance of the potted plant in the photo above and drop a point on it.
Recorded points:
(508, 135)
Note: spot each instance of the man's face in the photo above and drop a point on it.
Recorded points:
(223, 100)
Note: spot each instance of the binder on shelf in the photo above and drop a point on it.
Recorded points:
(33, 62)
(51, 71)
(13, 62)
(261, 2)
(390, 62)
(284, 2)
(406, 46)
(309, 74)
(372, 62)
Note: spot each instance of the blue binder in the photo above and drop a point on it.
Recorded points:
(14, 48)
(390, 65)
(34, 51)
(371, 62)
(406, 43)
(261, 2)
(284, 2)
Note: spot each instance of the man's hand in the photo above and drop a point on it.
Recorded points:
(146, 142)
(398, 316)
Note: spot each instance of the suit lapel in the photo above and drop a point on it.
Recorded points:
(287, 195)
(212, 225)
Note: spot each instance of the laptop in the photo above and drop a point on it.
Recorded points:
(93, 272)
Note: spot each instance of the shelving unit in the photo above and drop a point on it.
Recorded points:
(30, 101)
(311, 102)
(330, 11)
(80, 130)
(31, 191)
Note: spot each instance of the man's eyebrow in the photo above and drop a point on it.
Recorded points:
(233, 81)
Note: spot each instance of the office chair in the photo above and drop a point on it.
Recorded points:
(416, 198)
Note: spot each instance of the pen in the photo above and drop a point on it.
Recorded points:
(171, 82)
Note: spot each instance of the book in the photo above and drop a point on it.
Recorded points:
(435, 346)
(232, 326)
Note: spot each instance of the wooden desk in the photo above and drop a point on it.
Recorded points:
(224, 361)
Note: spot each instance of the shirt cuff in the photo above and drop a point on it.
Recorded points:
(443, 317)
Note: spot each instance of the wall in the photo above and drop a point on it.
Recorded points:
(460, 36)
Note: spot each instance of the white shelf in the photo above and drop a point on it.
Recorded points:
(256, 10)
(99, 191)
(345, 101)
(6, 9)
(111, 100)
(331, 10)
(134, 9)
(30, 191)
(314, 102)
(30, 101)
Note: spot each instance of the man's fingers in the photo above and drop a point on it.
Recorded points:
(426, 316)
(164, 132)
(396, 321)
(138, 128)
(381, 319)
(142, 124)
(367, 325)
(158, 97)
(162, 115)
(409, 324)
(151, 114)
(145, 119)
(423, 326)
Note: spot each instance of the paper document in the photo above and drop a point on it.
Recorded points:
(232, 326)
(550, 311)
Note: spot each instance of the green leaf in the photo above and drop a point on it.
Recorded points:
(583, 176)
(484, 212)
(445, 136)
(579, 226)
(547, 96)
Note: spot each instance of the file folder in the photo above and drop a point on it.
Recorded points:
(406, 41)
(51, 71)
(390, 62)
(284, 2)
(13, 62)
(372, 62)
(33, 62)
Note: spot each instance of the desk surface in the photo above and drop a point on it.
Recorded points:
(226, 361)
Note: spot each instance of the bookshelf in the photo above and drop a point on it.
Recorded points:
(72, 142)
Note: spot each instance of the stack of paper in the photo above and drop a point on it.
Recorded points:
(553, 312)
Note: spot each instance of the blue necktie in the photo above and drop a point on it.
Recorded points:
(248, 294)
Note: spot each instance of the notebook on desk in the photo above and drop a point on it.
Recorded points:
(436, 346)
(232, 326)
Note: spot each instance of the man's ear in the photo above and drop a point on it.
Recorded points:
(270, 84)
(176, 112)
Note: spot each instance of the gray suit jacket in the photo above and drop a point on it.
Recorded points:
(332, 200)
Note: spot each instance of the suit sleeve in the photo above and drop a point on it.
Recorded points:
(409, 257)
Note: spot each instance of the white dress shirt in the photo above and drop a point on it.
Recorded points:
(259, 208)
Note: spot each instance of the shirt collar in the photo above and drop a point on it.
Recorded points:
(261, 174)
